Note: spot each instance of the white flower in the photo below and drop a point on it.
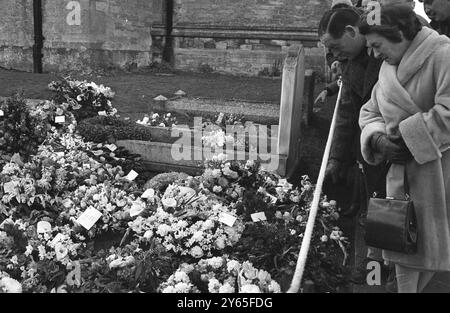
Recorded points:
(163, 230)
(196, 252)
(42, 252)
(216, 262)
(61, 251)
(148, 234)
(220, 243)
(14, 260)
(9, 285)
(169, 202)
(187, 268)
(249, 164)
(29, 250)
(169, 289)
(208, 224)
(250, 289)
(217, 189)
(214, 285)
(226, 288)
(274, 287)
(181, 276)
(249, 271)
(216, 173)
(299, 218)
(197, 236)
(324, 238)
(182, 288)
(233, 266)
(264, 276)
(116, 263)
(278, 214)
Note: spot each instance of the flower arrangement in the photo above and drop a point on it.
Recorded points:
(160, 120)
(219, 275)
(110, 128)
(247, 222)
(20, 132)
(85, 99)
(194, 229)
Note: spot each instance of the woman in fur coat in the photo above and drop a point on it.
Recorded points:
(407, 123)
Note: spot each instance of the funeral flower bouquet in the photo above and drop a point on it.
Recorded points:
(219, 275)
(84, 99)
(158, 119)
(187, 222)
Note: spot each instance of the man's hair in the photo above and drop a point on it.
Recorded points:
(334, 21)
(394, 19)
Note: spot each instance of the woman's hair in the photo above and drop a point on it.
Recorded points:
(394, 19)
(334, 21)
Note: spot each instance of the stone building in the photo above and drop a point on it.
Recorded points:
(248, 37)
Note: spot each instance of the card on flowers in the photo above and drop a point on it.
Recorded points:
(60, 119)
(102, 113)
(111, 147)
(132, 175)
(89, 218)
(2, 113)
(9, 187)
(227, 219)
(259, 217)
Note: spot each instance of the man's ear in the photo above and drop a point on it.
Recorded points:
(351, 30)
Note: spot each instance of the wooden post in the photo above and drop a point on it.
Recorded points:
(291, 109)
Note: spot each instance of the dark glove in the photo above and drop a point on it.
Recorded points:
(393, 149)
(336, 171)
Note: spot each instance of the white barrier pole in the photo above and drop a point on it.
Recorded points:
(303, 254)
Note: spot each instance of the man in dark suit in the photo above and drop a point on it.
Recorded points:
(339, 33)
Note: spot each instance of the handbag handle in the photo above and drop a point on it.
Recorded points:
(405, 179)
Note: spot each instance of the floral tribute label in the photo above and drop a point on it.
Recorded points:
(2, 113)
(259, 217)
(60, 119)
(89, 218)
(132, 175)
(111, 147)
(149, 193)
(9, 187)
(227, 219)
(58, 238)
(102, 113)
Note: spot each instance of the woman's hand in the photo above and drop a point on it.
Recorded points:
(393, 149)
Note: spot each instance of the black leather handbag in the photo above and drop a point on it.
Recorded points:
(391, 223)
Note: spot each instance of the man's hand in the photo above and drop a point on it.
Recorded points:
(336, 171)
(393, 149)
(321, 97)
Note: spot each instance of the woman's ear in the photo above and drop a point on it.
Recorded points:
(351, 30)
